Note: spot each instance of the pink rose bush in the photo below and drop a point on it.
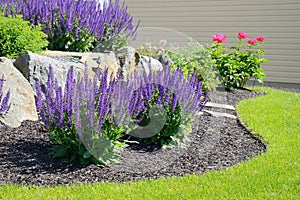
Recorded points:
(238, 64)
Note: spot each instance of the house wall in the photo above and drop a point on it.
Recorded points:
(277, 20)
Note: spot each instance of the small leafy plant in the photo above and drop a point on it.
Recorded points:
(18, 36)
(238, 64)
(194, 56)
(4, 101)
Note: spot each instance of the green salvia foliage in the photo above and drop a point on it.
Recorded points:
(18, 36)
(100, 149)
(171, 134)
(68, 42)
(238, 64)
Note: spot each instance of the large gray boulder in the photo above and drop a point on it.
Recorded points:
(101, 62)
(21, 96)
(35, 67)
(148, 63)
(128, 59)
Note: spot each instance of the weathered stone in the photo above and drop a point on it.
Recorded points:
(128, 59)
(146, 62)
(163, 59)
(21, 96)
(63, 53)
(35, 67)
(102, 61)
(220, 114)
(217, 105)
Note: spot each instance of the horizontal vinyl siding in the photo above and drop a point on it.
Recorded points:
(277, 20)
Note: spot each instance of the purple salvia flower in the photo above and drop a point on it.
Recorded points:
(59, 104)
(86, 79)
(77, 113)
(69, 93)
(5, 106)
(50, 94)
(91, 108)
(203, 102)
(174, 102)
(167, 98)
(161, 92)
(39, 96)
(40, 101)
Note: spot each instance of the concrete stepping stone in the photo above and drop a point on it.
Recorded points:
(217, 105)
(219, 114)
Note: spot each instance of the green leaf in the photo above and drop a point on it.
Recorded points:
(59, 151)
(87, 154)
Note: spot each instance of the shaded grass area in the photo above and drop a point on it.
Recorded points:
(272, 175)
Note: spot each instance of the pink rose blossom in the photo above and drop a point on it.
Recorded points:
(251, 41)
(260, 38)
(242, 35)
(219, 38)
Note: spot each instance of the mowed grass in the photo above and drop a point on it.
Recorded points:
(272, 175)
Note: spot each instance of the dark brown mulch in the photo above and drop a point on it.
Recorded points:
(215, 143)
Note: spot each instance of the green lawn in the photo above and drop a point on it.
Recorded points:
(272, 175)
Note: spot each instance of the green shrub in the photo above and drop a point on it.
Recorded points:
(18, 36)
(194, 56)
(188, 58)
(238, 64)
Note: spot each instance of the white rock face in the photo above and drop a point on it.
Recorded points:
(35, 67)
(21, 96)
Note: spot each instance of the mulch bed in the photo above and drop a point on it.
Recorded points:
(215, 143)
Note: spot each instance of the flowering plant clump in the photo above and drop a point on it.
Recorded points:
(4, 101)
(87, 121)
(76, 25)
(77, 114)
(238, 64)
(173, 98)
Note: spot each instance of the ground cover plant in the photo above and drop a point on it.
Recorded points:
(272, 175)
(87, 122)
(18, 36)
(238, 64)
(77, 25)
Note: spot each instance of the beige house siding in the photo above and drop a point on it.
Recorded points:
(277, 20)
